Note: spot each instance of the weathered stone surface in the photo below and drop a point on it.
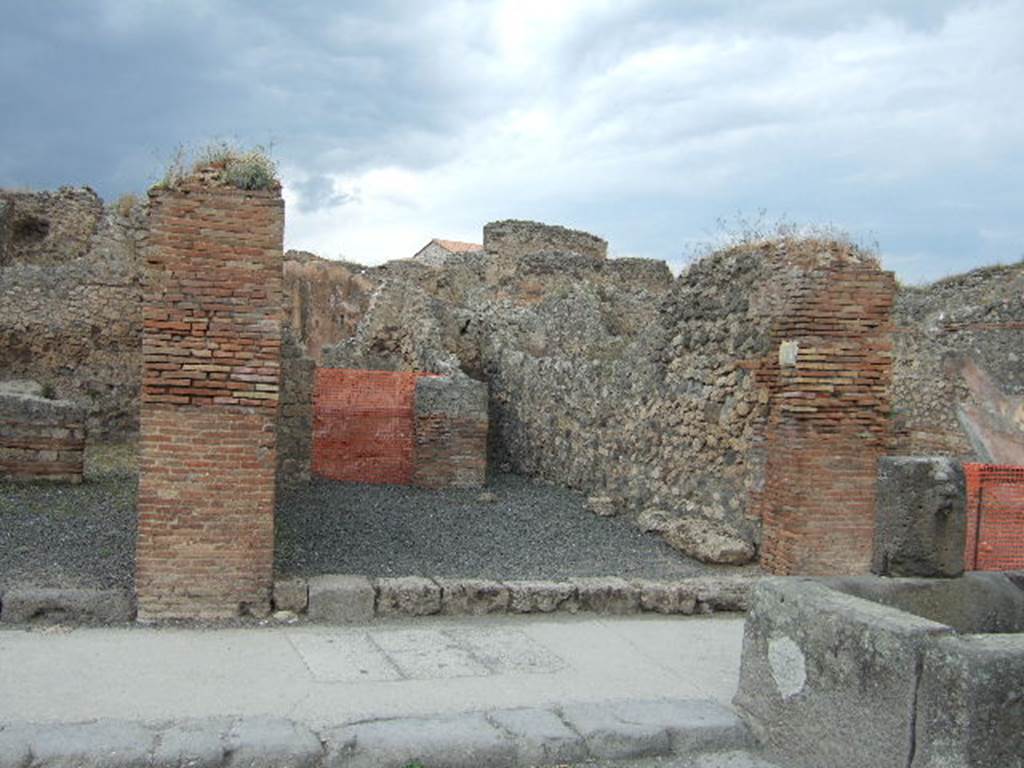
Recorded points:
(541, 596)
(540, 736)
(269, 742)
(827, 679)
(473, 597)
(970, 703)
(70, 300)
(193, 743)
(654, 520)
(408, 596)
(921, 517)
(974, 603)
(515, 238)
(662, 597)
(611, 735)
(15, 746)
(602, 506)
(105, 606)
(459, 741)
(341, 599)
(101, 744)
(291, 595)
(702, 540)
(607, 595)
(723, 593)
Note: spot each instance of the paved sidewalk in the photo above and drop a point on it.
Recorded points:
(324, 675)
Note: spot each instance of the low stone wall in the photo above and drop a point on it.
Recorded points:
(40, 439)
(450, 430)
(354, 599)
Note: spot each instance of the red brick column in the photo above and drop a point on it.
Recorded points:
(211, 361)
(829, 421)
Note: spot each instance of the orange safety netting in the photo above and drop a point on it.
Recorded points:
(995, 517)
(363, 425)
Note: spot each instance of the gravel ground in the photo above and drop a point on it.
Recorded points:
(532, 531)
(68, 535)
(84, 535)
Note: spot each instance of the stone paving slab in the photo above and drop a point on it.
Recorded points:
(323, 675)
(496, 739)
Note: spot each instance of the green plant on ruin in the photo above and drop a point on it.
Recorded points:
(250, 169)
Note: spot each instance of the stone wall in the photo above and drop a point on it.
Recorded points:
(40, 438)
(958, 378)
(70, 301)
(524, 238)
(211, 354)
(450, 430)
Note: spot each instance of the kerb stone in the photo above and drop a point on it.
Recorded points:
(541, 737)
(408, 596)
(460, 741)
(341, 599)
(473, 597)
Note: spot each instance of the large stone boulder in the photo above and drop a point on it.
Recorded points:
(703, 540)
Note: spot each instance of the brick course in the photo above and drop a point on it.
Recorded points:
(211, 364)
(40, 439)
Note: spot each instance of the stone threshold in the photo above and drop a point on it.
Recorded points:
(351, 599)
(509, 738)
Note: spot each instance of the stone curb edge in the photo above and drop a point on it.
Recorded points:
(507, 738)
(345, 599)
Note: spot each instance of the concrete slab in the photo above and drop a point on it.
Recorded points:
(428, 654)
(344, 657)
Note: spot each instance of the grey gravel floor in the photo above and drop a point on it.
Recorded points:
(532, 531)
(66, 536)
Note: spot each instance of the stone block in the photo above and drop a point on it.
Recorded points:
(610, 737)
(459, 741)
(341, 599)
(48, 605)
(607, 595)
(192, 743)
(473, 597)
(541, 596)
(827, 679)
(602, 506)
(723, 593)
(408, 596)
(540, 736)
(920, 517)
(970, 704)
(269, 742)
(291, 595)
(706, 541)
(100, 744)
(663, 597)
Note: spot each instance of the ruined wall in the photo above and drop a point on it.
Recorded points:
(211, 353)
(40, 438)
(70, 300)
(513, 238)
(958, 384)
(450, 433)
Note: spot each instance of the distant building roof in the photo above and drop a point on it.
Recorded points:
(437, 251)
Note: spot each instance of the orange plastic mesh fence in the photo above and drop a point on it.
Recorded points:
(995, 517)
(363, 425)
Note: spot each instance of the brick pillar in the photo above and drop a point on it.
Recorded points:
(829, 421)
(450, 433)
(211, 360)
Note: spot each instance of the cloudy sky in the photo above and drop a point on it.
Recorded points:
(645, 121)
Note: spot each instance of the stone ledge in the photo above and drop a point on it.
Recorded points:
(507, 738)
